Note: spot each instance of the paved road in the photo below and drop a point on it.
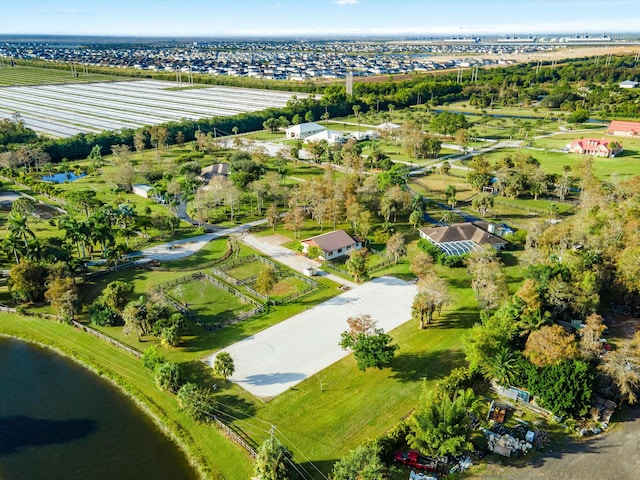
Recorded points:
(188, 246)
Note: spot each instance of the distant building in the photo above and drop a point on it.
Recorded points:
(333, 244)
(629, 84)
(141, 189)
(213, 170)
(595, 147)
(624, 129)
(461, 238)
(331, 136)
(304, 130)
(387, 127)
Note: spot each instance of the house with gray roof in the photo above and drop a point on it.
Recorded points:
(333, 244)
(461, 238)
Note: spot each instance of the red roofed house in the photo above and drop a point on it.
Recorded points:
(595, 147)
(333, 244)
(625, 129)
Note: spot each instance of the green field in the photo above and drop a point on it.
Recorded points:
(22, 75)
(607, 169)
(211, 304)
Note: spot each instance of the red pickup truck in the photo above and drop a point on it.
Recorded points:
(417, 461)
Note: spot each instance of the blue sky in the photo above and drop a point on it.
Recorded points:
(316, 17)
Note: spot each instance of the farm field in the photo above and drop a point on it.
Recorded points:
(24, 75)
(66, 110)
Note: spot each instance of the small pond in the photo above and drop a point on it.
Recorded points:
(63, 177)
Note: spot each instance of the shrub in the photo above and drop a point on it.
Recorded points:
(104, 316)
(169, 376)
(151, 358)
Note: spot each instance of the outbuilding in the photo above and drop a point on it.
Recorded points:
(141, 189)
(304, 130)
(333, 244)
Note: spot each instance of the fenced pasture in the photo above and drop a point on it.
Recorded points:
(207, 301)
(243, 271)
(66, 110)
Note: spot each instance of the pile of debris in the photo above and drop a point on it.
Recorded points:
(505, 444)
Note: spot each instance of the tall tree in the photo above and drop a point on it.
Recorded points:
(274, 461)
(396, 247)
(550, 345)
(432, 295)
(440, 424)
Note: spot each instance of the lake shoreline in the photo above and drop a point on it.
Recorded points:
(199, 469)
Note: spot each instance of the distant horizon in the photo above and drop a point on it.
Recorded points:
(317, 37)
(317, 18)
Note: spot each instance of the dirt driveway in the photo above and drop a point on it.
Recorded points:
(613, 456)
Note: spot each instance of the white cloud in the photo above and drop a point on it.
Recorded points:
(346, 2)
(73, 12)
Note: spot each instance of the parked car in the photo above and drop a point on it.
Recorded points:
(415, 460)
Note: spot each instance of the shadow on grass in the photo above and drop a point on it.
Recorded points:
(455, 319)
(412, 367)
(199, 372)
(234, 407)
(310, 469)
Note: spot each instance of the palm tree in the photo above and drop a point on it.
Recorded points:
(13, 245)
(19, 228)
(501, 367)
(223, 365)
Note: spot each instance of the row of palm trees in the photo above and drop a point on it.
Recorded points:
(98, 231)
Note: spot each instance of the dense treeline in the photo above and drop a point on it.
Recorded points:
(523, 84)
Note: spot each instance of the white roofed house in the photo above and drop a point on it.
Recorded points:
(331, 136)
(333, 244)
(304, 130)
(387, 127)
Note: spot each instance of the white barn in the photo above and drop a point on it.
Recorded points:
(141, 189)
(304, 130)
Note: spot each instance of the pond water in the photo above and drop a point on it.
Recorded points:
(59, 420)
(63, 177)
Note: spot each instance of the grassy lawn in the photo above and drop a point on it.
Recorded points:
(287, 286)
(211, 304)
(553, 162)
(245, 270)
(436, 184)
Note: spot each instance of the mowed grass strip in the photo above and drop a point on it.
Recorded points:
(210, 303)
